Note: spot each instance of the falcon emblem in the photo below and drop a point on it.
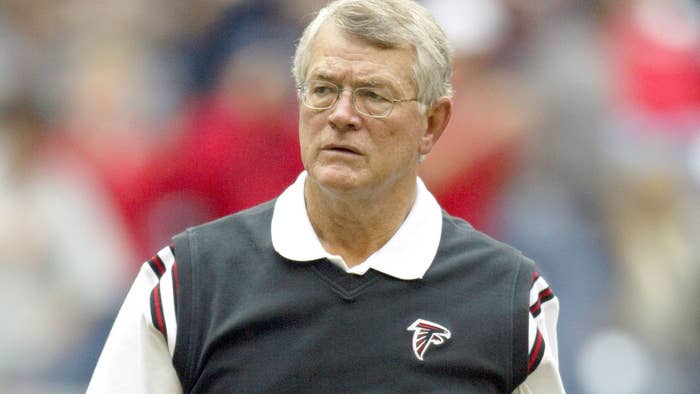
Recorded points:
(426, 333)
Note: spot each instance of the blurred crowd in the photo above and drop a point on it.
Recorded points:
(575, 137)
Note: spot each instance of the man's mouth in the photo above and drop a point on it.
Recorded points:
(342, 149)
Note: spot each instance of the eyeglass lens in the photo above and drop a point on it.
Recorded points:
(373, 101)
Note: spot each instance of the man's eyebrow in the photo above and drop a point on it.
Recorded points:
(322, 75)
(373, 81)
(370, 81)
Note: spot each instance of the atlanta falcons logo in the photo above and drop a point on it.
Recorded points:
(426, 333)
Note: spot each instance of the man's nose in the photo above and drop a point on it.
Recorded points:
(343, 115)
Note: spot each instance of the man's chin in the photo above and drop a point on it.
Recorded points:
(337, 178)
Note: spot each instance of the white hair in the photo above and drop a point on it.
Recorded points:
(388, 24)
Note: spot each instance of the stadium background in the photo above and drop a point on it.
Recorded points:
(575, 137)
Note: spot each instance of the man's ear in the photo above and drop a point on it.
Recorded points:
(438, 117)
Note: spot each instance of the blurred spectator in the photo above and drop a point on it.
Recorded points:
(104, 122)
(61, 260)
(236, 28)
(238, 144)
(477, 153)
(652, 204)
(600, 205)
(551, 210)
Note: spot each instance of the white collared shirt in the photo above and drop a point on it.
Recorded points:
(135, 342)
(407, 255)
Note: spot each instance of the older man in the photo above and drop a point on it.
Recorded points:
(353, 279)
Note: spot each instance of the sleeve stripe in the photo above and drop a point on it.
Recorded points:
(175, 286)
(157, 311)
(168, 308)
(542, 297)
(166, 258)
(167, 293)
(536, 309)
(540, 293)
(536, 353)
(157, 266)
(163, 295)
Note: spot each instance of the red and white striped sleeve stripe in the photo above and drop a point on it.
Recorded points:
(163, 296)
(137, 356)
(540, 294)
(543, 363)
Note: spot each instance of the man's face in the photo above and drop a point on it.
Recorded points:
(343, 150)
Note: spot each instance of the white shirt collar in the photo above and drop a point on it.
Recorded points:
(407, 255)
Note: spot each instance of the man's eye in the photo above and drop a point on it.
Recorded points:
(371, 95)
(321, 90)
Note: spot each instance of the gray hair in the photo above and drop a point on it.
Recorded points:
(388, 24)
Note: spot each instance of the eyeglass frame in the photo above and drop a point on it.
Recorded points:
(303, 87)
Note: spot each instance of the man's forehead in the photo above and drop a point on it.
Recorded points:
(330, 70)
(334, 54)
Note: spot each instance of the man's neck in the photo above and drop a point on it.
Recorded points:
(354, 226)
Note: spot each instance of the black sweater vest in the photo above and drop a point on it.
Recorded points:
(250, 320)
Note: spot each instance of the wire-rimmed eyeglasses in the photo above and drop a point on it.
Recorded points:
(376, 102)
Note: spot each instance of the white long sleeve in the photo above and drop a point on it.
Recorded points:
(136, 357)
(544, 376)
